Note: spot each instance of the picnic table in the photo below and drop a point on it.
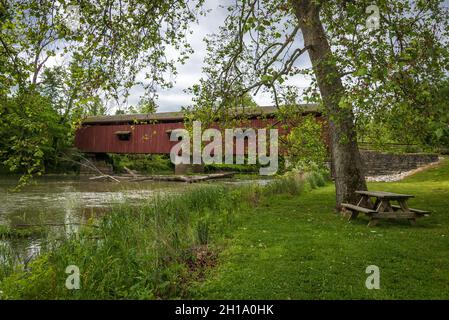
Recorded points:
(380, 205)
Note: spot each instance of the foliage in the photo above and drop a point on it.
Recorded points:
(291, 183)
(81, 56)
(396, 75)
(229, 112)
(305, 147)
(317, 179)
(13, 233)
(31, 134)
(136, 253)
(254, 50)
(248, 168)
(150, 164)
(146, 252)
(106, 43)
(144, 106)
(62, 87)
(389, 77)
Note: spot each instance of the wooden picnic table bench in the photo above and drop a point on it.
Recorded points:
(382, 208)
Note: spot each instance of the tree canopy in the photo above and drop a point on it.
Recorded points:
(395, 75)
(70, 57)
(380, 71)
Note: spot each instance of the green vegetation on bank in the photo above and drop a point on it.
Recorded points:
(26, 232)
(149, 252)
(143, 253)
(280, 241)
(145, 164)
(294, 248)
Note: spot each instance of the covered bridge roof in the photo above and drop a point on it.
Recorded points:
(179, 116)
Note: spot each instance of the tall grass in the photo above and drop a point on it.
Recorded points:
(317, 179)
(146, 252)
(138, 253)
(292, 184)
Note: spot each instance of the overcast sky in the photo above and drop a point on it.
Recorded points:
(189, 73)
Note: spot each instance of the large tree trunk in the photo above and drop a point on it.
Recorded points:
(348, 169)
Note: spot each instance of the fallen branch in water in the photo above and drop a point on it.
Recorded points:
(91, 166)
(131, 172)
(189, 179)
(104, 176)
(160, 178)
(175, 178)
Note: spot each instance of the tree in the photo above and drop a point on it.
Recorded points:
(74, 54)
(35, 136)
(262, 41)
(348, 171)
(394, 74)
(145, 105)
(305, 146)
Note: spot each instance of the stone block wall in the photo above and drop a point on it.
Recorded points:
(377, 163)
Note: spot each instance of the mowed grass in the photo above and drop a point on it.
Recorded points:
(295, 247)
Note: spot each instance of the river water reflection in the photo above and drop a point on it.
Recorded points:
(60, 199)
(63, 203)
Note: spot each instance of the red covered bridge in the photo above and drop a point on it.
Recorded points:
(150, 133)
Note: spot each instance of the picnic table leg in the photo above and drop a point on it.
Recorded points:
(365, 201)
(387, 207)
(404, 206)
(377, 204)
(380, 206)
(353, 215)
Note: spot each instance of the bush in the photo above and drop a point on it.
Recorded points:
(291, 183)
(149, 164)
(316, 179)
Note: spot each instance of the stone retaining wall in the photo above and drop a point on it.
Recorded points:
(377, 164)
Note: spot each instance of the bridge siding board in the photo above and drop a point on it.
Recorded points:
(145, 138)
(102, 138)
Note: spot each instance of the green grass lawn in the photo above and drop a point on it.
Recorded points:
(297, 248)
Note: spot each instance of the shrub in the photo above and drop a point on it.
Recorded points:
(316, 179)
(149, 164)
(291, 183)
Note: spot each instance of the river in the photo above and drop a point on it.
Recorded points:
(65, 202)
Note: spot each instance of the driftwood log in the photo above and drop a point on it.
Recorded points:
(178, 178)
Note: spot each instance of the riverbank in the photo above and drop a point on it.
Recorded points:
(295, 248)
(281, 241)
(153, 251)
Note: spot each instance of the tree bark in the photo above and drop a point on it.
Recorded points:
(348, 169)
